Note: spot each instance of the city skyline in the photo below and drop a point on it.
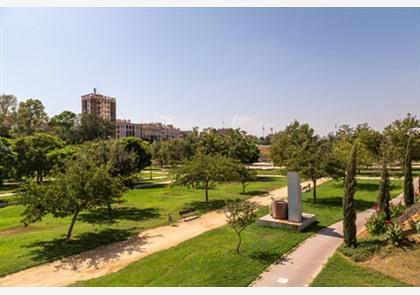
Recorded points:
(238, 67)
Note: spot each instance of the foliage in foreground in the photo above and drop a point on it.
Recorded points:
(240, 214)
(376, 223)
(84, 186)
(349, 211)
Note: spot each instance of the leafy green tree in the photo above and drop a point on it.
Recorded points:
(140, 148)
(398, 133)
(369, 143)
(8, 104)
(30, 117)
(349, 211)
(202, 171)
(245, 176)
(94, 127)
(384, 196)
(232, 143)
(7, 159)
(65, 126)
(59, 157)
(240, 214)
(157, 155)
(84, 186)
(300, 150)
(240, 146)
(32, 154)
(122, 163)
(408, 176)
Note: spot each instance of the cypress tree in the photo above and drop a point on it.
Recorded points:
(349, 212)
(408, 176)
(384, 188)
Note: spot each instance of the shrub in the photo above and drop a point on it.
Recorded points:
(415, 225)
(395, 233)
(376, 223)
(365, 249)
(397, 210)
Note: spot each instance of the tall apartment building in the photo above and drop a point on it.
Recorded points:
(101, 105)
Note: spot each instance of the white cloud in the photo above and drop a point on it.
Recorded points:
(248, 124)
(165, 119)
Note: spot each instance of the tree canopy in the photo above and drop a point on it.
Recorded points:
(83, 186)
(299, 149)
(65, 125)
(8, 105)
(32, 154)
(202, 171)
(30, 118)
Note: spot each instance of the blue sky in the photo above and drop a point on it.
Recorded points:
(232, 67)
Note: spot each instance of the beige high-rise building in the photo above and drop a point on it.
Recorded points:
(100, 105)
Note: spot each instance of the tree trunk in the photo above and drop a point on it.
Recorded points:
(207, 195)
(314, 190)
(68, 237)
(239, 243)
(243, 187)
(150, 171)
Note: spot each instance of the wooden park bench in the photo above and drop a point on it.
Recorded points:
(188, 214)
(306, 188)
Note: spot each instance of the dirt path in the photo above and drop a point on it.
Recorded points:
(115, 256)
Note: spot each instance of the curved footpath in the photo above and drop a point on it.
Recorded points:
(302, 265)
(113, 257)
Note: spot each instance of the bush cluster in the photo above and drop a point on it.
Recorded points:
(376, 223)
(397, 210)
(395, 234)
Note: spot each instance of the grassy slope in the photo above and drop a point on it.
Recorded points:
(342, 272)
(209, 259)
(142, 209)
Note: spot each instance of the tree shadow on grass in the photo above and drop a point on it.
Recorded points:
(43, 251)
(265, 257)
(266, 179)
(337, 201)
(255, 193)
(145, 185)
(106, 216)
(367, 186)
(201, 205)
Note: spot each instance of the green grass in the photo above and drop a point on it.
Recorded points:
(141, 209)
(6, 188)
(365, 249)
(393, 172)
(274, 171)
(209, 259)
(342, 272)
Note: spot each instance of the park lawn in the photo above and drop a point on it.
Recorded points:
(141, 209)
(340, 271)
(155, 179)
(210, 260)
(7, 188)
(274, 171)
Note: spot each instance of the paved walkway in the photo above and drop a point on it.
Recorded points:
(300, 267)
(113, 257)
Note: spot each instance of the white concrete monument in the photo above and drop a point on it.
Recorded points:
(295, 220)
(294, 197)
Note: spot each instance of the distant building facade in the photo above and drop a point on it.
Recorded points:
(105, 107)
(147, 131)
(100, 105)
